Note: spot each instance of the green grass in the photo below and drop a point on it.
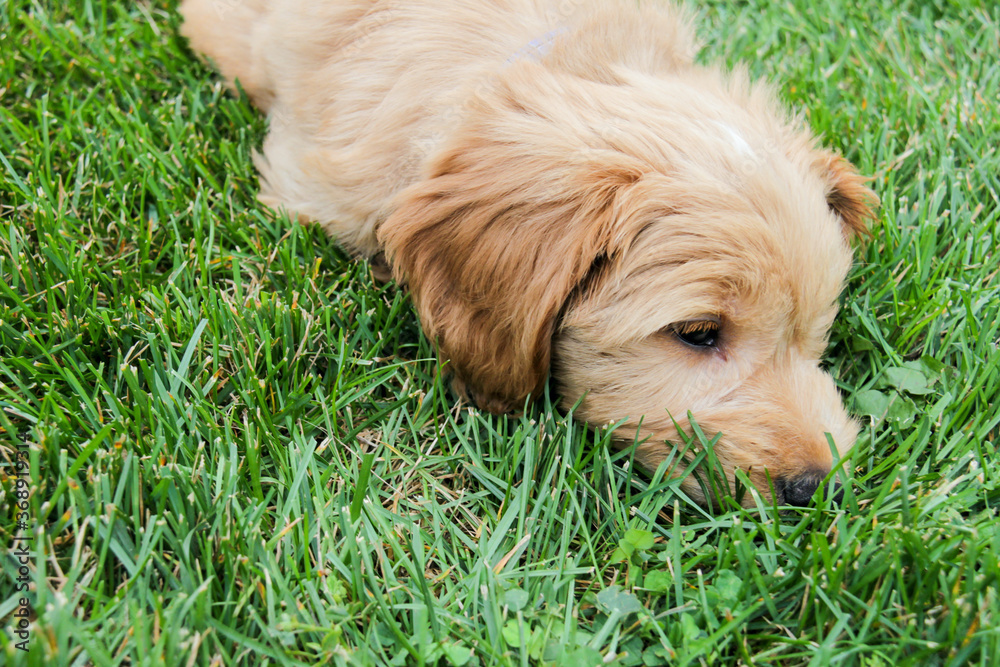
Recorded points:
(240, 451)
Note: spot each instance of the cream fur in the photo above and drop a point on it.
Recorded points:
(560, 209)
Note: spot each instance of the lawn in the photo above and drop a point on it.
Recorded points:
(235, 447)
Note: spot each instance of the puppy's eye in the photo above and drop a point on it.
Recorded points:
(697, 333)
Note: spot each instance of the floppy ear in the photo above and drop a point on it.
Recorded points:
(847, 194)
(492, 244)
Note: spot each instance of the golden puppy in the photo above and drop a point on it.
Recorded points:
(563, 191)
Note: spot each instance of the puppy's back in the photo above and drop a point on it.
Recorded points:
(228, 32)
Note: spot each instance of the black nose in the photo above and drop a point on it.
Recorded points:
(799, 490)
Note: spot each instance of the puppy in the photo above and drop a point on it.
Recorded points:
(565, 192)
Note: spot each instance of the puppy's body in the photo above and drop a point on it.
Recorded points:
(362, 93)
(562, 189)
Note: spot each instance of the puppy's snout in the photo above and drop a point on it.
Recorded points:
(799, 490)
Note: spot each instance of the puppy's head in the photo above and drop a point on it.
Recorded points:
(662, 247)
